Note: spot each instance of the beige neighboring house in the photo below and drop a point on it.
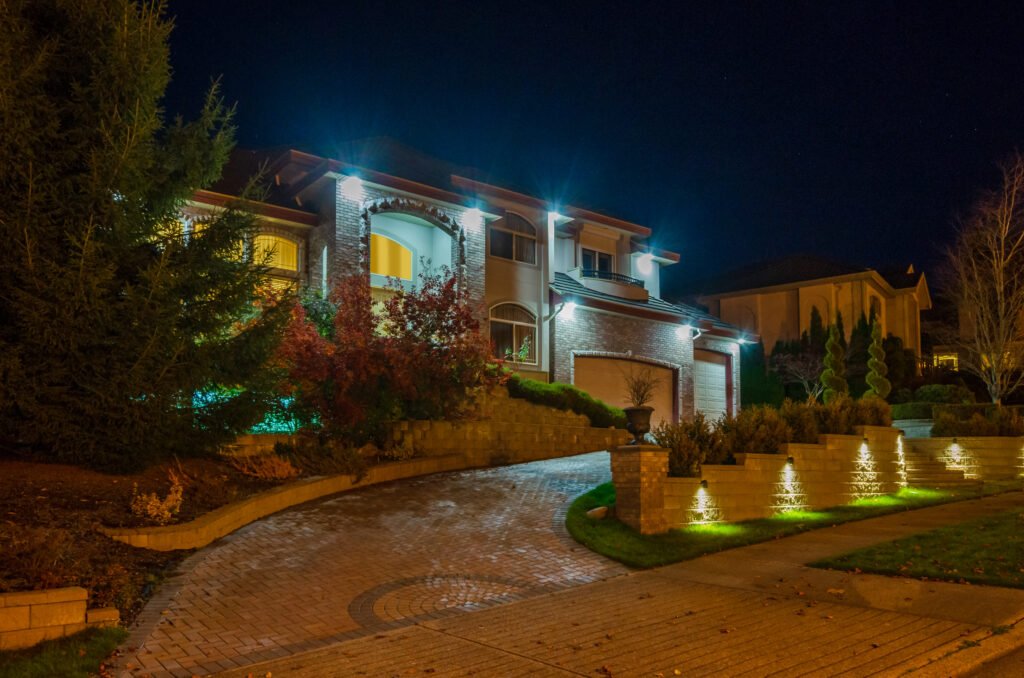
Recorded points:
(774, 298)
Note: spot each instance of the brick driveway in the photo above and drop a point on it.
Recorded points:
(369, 560)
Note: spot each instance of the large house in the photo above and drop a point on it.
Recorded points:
(577, 291)
(774, 299)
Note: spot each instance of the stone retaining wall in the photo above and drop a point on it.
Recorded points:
(30, 617)
(838, 470)
(981, 458)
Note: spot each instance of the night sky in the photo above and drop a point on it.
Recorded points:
(738, 131)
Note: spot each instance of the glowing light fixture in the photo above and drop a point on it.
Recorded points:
(569, 309)
(865, 474)
(789, 492)
(645, 263)
(352, 188)
(473, 219)
(742, 340)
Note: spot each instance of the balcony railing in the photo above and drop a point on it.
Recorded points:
(608, 275)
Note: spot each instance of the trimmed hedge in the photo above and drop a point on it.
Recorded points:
(912, 410)
(977, 420)
(568, 398)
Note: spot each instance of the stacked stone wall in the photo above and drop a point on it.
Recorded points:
(981, 458)
(30, 617)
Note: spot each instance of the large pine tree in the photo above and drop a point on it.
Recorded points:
(113, 323)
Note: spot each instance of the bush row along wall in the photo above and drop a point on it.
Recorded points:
(505, 431)
(838, 470)
(981, 458)
(30, 617)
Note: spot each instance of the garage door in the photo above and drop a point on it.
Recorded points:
(605, 379)
(710, 383)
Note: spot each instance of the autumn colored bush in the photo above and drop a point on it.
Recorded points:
(264, 466)
(417, 355)
(160, 511)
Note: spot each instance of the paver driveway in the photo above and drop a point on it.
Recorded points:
(372, 559)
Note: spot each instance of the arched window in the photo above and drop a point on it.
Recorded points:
(389, 258)
(515, 238)
(281, 256)
(514, 333)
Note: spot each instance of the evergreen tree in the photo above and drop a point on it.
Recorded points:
(840, 329)
(877, 370)
(758, 386)
(857, 355)
(122, 339)
(833, 377)
(817, 335)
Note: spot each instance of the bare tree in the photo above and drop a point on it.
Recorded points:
(984, 277)
(803, 368)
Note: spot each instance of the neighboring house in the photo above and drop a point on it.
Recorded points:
(774, 298)
(579, 289)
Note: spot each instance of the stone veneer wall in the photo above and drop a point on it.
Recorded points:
(982, 458)
(830, 473)
(593, 332)
(30, 617)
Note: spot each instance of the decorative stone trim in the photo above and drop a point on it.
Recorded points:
(30, 617)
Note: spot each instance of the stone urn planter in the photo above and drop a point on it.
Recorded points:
(638, 422)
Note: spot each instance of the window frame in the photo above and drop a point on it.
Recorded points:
(597, 259)
(281, 277)
(516, 324)
(518, 238)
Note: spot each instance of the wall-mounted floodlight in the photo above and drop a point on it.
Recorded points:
(645, 263)
(569, 309)
(473, 219)
(352, 188)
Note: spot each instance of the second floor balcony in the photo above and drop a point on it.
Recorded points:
(614, 284)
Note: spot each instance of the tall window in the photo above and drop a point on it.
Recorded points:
(597, 261)
(515, 238)
(281, 255)
(514, 333)
(389, 258)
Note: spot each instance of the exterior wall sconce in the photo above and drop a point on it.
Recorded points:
(789, 460)
(704, 483)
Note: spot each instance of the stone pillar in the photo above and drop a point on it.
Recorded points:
(639, 473)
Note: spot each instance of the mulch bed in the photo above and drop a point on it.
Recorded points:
(49, 514)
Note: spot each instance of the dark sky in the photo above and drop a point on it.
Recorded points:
(738, 131)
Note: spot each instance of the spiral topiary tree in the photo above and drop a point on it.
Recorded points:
(833, 377)
(877, 369)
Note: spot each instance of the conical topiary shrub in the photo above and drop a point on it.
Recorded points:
(833, 378)
(877, 369)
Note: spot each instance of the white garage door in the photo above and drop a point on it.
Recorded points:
(604, 378)
(710, 383)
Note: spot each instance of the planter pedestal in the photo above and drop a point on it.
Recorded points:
(639, 473)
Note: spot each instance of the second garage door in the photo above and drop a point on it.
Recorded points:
(604, 378)
(711, 383)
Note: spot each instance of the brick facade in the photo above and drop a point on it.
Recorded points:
(597, 333)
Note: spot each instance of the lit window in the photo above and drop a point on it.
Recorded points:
(950, 361)
(513, 237)
(597, 261)
(389, 259)
(514, 333)
(276, 252)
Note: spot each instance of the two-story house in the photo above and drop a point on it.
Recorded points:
(576, 290)
(775, 298)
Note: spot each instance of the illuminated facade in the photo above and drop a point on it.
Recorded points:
(567, 294)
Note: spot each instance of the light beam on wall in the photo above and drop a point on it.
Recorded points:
(958, 458)
(865, 474)
(789, 492)
(901, 462)
(352, 188)
(704, 509)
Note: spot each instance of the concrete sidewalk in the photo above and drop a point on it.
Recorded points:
(753, 611)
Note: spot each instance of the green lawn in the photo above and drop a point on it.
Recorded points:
(611, 538)
(77, 656)
(986, 551)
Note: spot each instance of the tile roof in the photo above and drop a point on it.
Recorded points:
(567, 286)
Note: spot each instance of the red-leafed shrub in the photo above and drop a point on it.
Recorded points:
(417, 355)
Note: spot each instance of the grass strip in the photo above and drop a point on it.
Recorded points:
(77, 656)
(613, 539)
(986, 551)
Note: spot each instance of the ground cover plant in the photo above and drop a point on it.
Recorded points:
(49, 514)
(985, 551)
(79, 656)
(568, 398)
(617, 541)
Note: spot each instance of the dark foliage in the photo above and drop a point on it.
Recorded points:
(568, 398)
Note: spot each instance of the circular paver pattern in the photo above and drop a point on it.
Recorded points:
(385, 556)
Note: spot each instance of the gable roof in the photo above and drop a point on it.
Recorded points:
(795, 269)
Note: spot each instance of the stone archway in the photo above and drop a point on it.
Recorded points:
(432, 214)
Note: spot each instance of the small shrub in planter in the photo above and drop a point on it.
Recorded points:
(759, 429)
(801, 419)
(689, 444)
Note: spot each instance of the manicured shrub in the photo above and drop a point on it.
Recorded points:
(872, 411)
(690, 444)
(759, 429)
(912, 410)
(879, 385)
(944, 393)
(833, 377)
(567, 398)
(901, 395)
(993, 421)
(802, 421)
(837, 416)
